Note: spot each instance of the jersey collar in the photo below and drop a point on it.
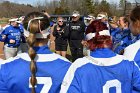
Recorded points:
(42, 50)
(102, 53)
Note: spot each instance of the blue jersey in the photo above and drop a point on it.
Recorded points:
(102, 72)
(126, 37)
(15, 73)
(123, 41)
(116, 37)
(13, 33)
(134, 38)
(21, 27)
(114, 33)
(132, 52)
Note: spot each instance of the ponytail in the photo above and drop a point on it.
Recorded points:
(34, 23)
(32, 54)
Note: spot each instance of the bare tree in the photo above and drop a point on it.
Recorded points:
(8, 9)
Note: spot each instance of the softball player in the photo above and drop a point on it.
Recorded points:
(39, 70)
(11, 36)
(132, 52)
(103, 71)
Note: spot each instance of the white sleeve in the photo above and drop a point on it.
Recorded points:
(70, 74)
(131, 51)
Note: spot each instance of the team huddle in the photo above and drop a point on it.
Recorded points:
(39, 70)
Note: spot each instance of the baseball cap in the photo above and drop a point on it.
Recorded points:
(75, 14)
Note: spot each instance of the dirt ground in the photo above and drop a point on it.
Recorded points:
(1, 50)
(1, 46)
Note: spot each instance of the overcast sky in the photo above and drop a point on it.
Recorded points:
(33, 1)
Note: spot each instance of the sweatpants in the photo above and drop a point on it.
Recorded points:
(76, 49)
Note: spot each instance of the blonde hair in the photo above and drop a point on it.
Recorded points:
(60, 18)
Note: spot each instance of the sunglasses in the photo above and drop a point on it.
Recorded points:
(60, 21)
(74, 16)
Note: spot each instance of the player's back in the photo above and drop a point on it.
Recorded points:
(15, 75)
(103, 75)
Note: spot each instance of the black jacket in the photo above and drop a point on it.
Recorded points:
(76, 30)
(61, 36)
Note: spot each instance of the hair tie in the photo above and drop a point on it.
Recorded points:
(42, 34)
(89, 36)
